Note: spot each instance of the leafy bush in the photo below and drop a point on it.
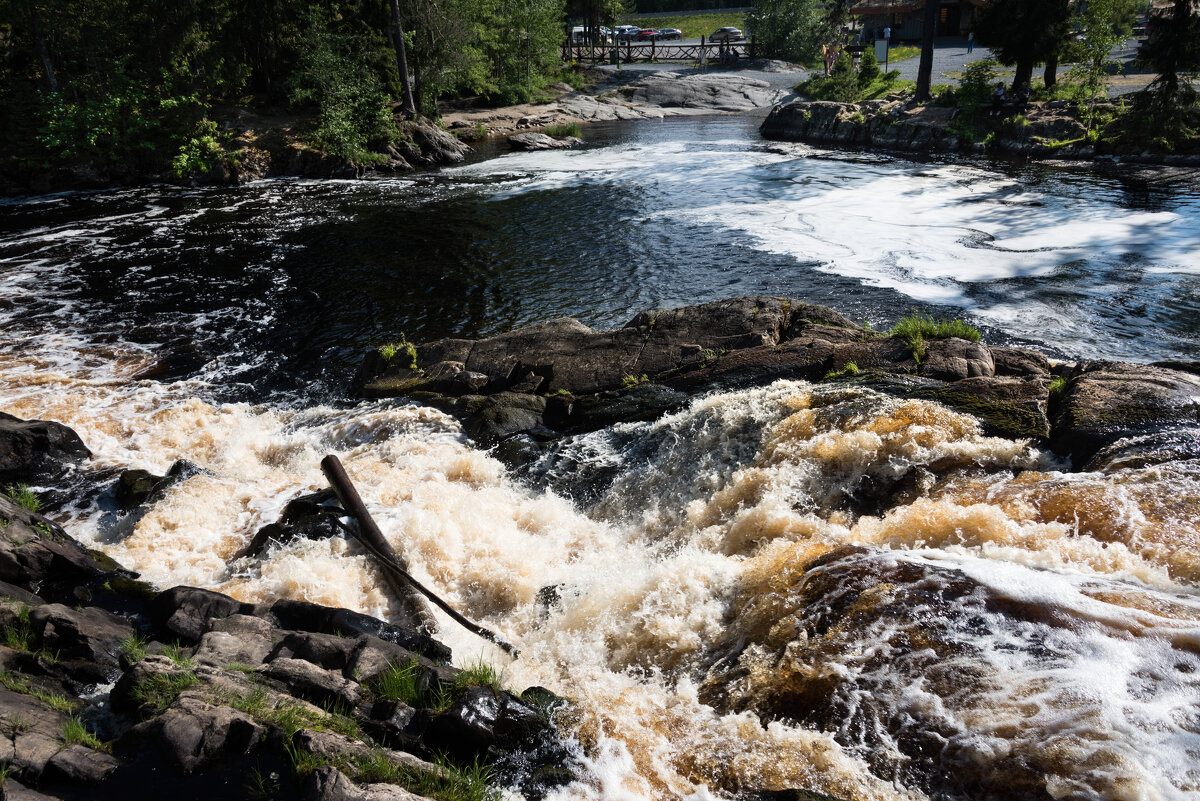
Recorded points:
(200, 153)
(339, 73)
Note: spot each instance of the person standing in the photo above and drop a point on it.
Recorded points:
(970, 41)
(887, 34)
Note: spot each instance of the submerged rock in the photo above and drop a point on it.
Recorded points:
(531, 140)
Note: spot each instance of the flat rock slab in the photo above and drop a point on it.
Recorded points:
(531, 140)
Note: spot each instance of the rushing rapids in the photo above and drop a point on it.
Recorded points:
(797, 585)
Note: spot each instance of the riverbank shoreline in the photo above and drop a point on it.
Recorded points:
(1045, 131)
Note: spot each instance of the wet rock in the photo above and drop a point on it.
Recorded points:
(193, 735)
(425, 144)
(1016, 408)
(1019, 362)
(78, 764)
(505, 414)
(954, 359)
(306, 680)
(90, 635)
(305, 616)
(539, 141)
(1108, 401)
(35, 552)
(33, 734)
(374, 655)
(36, 449)
(314, 516)
(134, 487)
(240, 639)
(15, 791)
(186, 612)
(328, 651)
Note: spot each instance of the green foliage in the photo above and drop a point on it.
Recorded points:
(19, 684)
(868, 68)
(916, 328)
(1023, 32)
(631, 380)
(75, 732)
(406, 683)
(481, 674)
(18, 635)
(850, 369)
(156, 692)
(200, 153)
(974, 93)
(564, 129)
(290, 716)
(1166, 113)
(134, 648)
(788, 29)
(402, 348)
(448, 783)
(339, 71)
(1102, 24)
(177, 653)
(23, 496)
(1058, 385)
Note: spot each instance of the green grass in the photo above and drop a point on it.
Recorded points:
(633, 380)
(401, 348)
(157, 692)
(133, 648)
(402, 682)
(564, 129)
(693, 25)
(290, 716)
(75, 732)
(818, 87)
(1058, 385)
(18, 635)
(18, 684)
(23, 496)
(449, 783)
(901, 53)
(18, 724)
(850, 369)
(176, 652)
(480, 674)
(916, 328)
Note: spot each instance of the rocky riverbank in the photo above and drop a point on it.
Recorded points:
(539, 383)
(1046, 130)
(112, 689)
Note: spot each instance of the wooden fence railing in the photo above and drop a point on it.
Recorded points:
(631, 52)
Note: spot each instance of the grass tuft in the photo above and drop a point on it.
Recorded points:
(403, 349)
(177, 653)
(19, 684)
(18, 635)
(480, 674)
(633, 380)
(157, 692)
(133, 648)
(23, 496)
(916, 328)
(564, 129)
(404, 682)
(850, 369)
(1058, 385)
(75, 732)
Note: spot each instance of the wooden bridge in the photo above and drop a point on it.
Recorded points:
(631, 52)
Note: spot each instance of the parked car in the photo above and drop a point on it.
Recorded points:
(727, 34)
(670, 33)
(646, 34)
(626, 31)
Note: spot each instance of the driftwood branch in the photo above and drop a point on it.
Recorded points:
(395, 568)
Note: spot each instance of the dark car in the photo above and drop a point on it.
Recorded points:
(729, 34)
(670, 33)
(646, 34)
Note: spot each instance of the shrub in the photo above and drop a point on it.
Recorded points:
(868, 68)
(199, 153)
(401, 348)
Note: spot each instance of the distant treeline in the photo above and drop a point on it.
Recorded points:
(675, 6)
(136, 83)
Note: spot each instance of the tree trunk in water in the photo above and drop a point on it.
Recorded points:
(1050, 78)
(406, 105)
(39, 39)
(1024, 72)
(925, 68)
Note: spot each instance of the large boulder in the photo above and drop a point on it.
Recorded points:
(36, 449)
(1105, 402)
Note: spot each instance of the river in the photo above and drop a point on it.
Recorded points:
(1002, 629)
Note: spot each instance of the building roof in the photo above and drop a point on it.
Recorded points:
(870, 7)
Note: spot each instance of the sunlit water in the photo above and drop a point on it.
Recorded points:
(1000, 629)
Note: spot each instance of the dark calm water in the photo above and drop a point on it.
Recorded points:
(277, 288)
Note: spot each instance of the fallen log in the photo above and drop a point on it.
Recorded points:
(395, 567)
